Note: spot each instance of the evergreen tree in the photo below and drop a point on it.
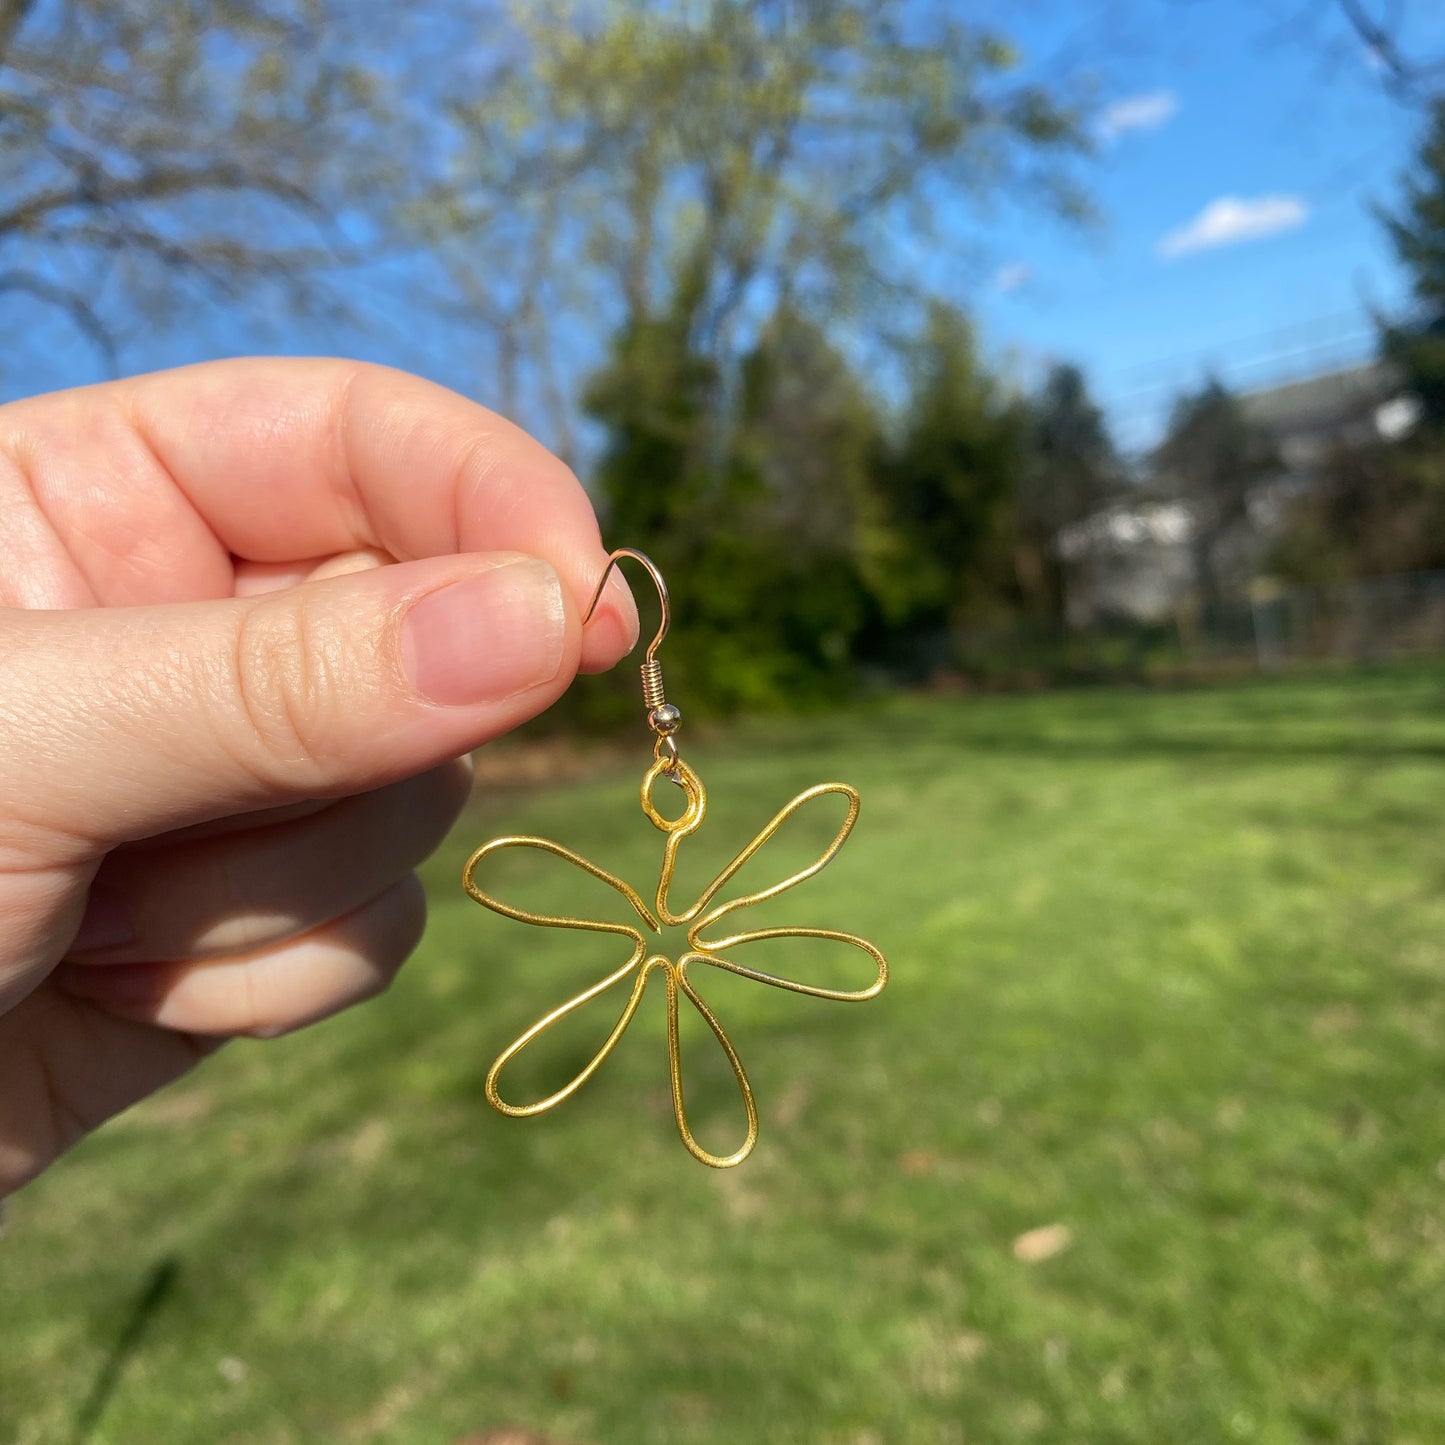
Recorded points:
(1418, 234)
(1214, 458)
(939, 550)
(1071, 470)
(746, 490)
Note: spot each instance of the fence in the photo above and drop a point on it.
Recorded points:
(1358, 622)
(1365, 621)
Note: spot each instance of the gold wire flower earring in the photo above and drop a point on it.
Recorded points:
(664, 720)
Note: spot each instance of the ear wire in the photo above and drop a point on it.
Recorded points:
(662, 717)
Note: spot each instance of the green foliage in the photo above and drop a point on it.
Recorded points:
(760, 152)
(805, 535)
(657, 400)
(1373, 510)
(1168, 970)
(746, 501)
(1214, 455)
(1378, 507)
(1074, 468)
(945, 492)
(1216, 458)
(1418, 233)
(1071, 470)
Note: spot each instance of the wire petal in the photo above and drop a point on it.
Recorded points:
(678, 982)
(711, 954)
(764, 835)
(547, 920)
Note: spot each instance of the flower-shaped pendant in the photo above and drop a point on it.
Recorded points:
(701, 952)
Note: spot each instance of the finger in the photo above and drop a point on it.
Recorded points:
(68, 1063)
(273, 990)
(221, 827)
(152, 486)
(123, 723)
(253, 578)
(66, 1067)
(251, 890)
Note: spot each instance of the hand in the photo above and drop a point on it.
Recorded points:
(250, 615)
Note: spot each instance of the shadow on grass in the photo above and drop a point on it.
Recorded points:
(159, 1284)
(1369, 717)
(1160, 744)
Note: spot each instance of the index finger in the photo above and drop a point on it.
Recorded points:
(285, 459)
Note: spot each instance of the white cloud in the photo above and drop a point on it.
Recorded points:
(1146, 111)
(1012, 276)
(1230, 219)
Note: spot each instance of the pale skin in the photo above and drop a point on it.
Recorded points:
(253, 615)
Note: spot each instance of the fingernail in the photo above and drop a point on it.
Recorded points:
(489, 637)
(107, 923)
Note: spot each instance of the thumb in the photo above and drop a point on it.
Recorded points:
(126, 722)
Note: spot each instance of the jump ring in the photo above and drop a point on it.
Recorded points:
(691, 786)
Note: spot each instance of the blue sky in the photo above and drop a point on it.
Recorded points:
(1237, 161)
(1235, 173)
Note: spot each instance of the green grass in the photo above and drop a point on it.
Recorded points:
(1168, 969)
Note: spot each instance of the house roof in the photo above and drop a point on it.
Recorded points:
(1322, 404)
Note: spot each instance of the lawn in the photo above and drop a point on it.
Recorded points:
(1168, 986)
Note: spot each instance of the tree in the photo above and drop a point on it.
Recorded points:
(1399, 39)
(939, 549)
(750, 508)
(1377, 506)
(1215, 459)
(1374, 509)
(1071, 469)
(656, 400)
(776, 154)
(1409, 75)
(1417, 231)
(808, 433)
(154, 153)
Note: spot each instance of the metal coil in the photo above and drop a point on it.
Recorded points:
(652, 690)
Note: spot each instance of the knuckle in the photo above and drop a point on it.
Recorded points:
(261, 1021)
(285, 682)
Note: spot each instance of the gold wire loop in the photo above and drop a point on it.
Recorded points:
(661, 718)
(641, 964)
(677, 772)
(655, 574)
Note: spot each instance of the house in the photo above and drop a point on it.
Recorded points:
(1307, 418)
(1133, 561)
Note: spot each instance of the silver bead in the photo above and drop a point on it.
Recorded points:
(665, 719)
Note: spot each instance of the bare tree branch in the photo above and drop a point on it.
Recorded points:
(152, 147)
(12, 16)
(73, 303)
(1408, 78)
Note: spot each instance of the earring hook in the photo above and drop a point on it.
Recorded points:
(662, 717)
(655, 574)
